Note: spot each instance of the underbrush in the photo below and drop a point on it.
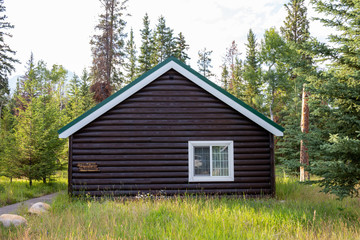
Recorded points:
(298, 212)
(19, 190)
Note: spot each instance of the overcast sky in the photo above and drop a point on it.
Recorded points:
(59, 31)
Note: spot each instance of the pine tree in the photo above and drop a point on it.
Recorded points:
(108, 49)
(7, 143)
(252, 73)
(180, 48)
(163, 41)
(296, 32)
(79, 96)
(238, 82)
(204, 62)
(7, 59)
(131, 59)
(38, 118)
(296, 24)
(338, 90)
(146, 47)
(224, 77)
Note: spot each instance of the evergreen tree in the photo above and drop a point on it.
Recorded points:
(7, 144)
(204, 62)
(130, 63)
(296, 32)
(180, 48)
(146, 47)
(296, 24)
(7, 59)
(252, 73)
(338, 90)
(163, 41)
(79, 96)
(108, 49)
(238, 82)
(38, 147)
(224, 77)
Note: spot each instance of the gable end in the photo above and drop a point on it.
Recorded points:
(153, 74)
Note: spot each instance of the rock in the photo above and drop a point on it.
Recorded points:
(8, 219)
(39, 208)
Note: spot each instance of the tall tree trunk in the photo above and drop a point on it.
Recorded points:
(304, 156)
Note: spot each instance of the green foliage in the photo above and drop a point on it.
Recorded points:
(274, 53)
(204, 62)
(37, 148)
(159, 44)
(225, 77)
(288, 146)
(79, 96)
(296, 34)
(337, 93)
(146, 46)
(7, 143)
(108, 49)
(180, 48)
(296, 24)
(131, 59)
(6, 54)
(163, 42)
(252, 74)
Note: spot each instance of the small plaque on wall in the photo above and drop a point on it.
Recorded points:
(88, 167)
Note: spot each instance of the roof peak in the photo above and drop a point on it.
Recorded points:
(154, 73)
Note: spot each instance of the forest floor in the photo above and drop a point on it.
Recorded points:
(298, 211)
(19, 190)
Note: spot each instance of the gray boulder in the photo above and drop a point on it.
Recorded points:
(11, 219)
(39, 208)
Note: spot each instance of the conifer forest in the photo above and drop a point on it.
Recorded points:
(309, 87)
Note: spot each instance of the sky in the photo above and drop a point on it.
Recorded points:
(59, 31)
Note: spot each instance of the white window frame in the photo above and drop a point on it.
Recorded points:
(193, 178)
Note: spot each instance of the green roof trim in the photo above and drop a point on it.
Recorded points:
(139, 79)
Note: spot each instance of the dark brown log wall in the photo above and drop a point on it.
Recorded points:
(141, 145)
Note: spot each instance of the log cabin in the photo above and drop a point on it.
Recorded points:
(171, 131)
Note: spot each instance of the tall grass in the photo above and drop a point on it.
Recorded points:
(298, 212)
(18, 190)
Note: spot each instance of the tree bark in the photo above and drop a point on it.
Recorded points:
(304, 155)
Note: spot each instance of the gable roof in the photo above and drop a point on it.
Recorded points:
(151, 75)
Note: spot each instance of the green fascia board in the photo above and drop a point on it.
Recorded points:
(87, 113)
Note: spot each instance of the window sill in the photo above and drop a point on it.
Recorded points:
(211, 179)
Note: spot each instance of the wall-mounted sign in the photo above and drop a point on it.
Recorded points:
(88, 167)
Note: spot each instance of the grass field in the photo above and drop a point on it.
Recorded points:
(19, 189)
(298, 212)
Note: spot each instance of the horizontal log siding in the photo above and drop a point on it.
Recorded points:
(141, 145)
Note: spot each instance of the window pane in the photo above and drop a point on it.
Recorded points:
(220, 161)
(202, 161)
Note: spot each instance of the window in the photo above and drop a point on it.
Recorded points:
(211, 161)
